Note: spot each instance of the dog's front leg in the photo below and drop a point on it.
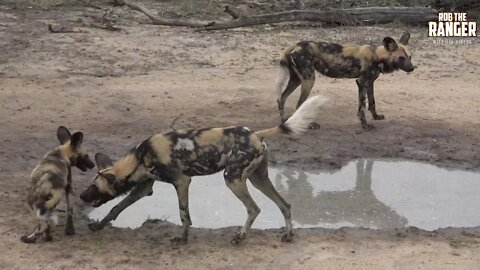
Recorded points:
(371, 99)
(141, 190)
(181, 186)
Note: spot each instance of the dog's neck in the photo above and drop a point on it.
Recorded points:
(387, 67)
(128, 172)
(123, 186)
(384, 62)
(128, 169)
(382, 54)
(63, 152)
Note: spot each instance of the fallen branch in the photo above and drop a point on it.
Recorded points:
(90, 4)
(62, 30)
(331, 16)
(28, 107)
(353, 16)
(382, 15)
(107, 27)
(172, 125)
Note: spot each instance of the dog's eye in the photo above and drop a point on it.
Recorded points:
(401, 58)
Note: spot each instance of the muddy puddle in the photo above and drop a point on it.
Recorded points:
(378, 194)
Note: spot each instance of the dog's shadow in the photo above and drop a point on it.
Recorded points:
(358, 206)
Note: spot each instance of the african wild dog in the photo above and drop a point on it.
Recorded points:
(51, 179)
(174, 157)
(363, 62)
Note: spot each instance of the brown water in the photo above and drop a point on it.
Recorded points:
(380, 194)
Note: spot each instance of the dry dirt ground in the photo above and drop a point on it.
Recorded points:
(121, 87)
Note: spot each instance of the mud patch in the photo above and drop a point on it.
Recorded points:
(377, 194)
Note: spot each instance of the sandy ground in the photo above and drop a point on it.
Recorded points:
(121, 87)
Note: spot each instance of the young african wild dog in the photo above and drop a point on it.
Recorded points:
(51, 179)
(363, 62)
(174, 157)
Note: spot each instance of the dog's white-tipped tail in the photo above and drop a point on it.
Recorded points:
(300, 121)
(282, 77)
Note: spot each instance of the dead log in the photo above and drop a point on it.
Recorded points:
(382, 15)
(329, 16)
(92, 5)
(353, 16)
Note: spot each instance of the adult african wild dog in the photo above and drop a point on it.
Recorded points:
(174, 157)
(51, 179)
(363, 62)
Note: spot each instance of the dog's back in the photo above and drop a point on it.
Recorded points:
(48, 178)
(330, 59)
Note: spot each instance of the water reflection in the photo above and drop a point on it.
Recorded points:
(382, 194)
(357, 206)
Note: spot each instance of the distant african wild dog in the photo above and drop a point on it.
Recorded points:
(363, 62)
(51, 179)
(174, 157)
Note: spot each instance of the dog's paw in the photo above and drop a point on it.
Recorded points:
(48, 238)
(378, 117)
(28, 240)
(238, 238)
(287, 237)
(179, 240)
(69, 230)
(366, 126)
(95, 226)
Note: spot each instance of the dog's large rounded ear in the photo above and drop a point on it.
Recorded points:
(103, 161)
(390, 44)
(405, 38)
(76, 140)
(63, 134)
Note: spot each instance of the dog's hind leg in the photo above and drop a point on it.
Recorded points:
(261, 181)
(141, 190)
(69, 228)
(181, 186)
(41, 228)
(292, 84)
(32, 238)
(239, 187)
(371, 100)
(307, 86)
(235, 179)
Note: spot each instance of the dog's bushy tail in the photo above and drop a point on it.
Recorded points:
(282, 77)
(300, 121)
(44, 205)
